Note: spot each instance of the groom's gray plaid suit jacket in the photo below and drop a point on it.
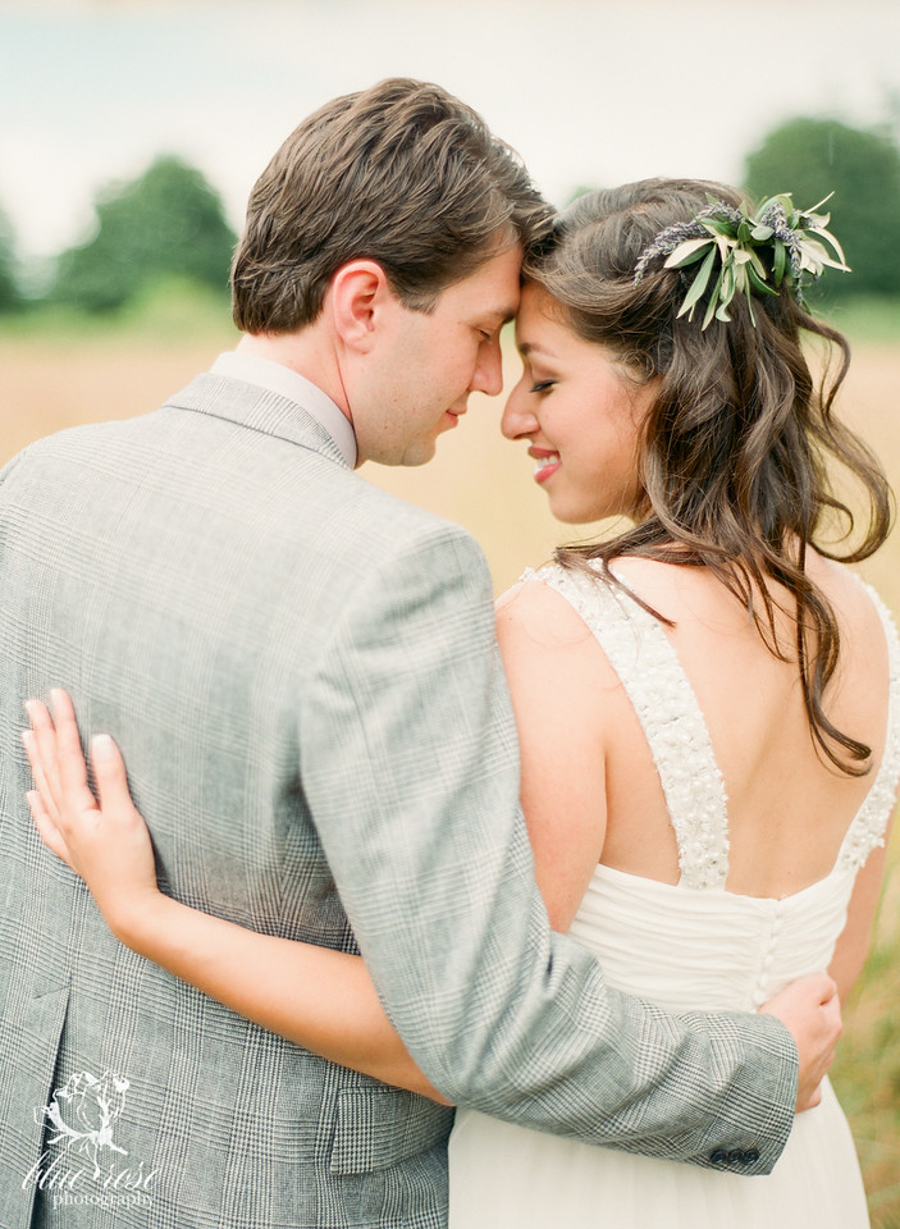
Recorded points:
(302, 674)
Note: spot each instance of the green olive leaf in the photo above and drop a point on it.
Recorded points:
(699, 283)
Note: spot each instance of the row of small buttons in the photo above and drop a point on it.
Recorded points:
(734, 1156)
(764, 989)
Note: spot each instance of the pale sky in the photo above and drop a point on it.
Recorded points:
(589, 91)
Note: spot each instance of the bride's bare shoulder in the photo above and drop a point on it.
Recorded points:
(554, 663)
(849, 597)
(534, 611)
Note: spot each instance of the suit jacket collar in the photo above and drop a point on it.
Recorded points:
(257, 409)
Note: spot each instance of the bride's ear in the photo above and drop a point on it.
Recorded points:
(360, 301)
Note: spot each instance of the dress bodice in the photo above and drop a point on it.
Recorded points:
(695, 945)
(711, 950)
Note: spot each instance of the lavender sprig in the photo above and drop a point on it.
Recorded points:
(755, 254)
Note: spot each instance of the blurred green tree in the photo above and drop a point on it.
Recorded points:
(10, 295)
(168, 223)
(811, 158)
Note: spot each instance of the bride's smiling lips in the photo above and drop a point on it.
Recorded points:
(547, 463)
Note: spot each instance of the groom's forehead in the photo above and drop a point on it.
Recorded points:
(491, 290)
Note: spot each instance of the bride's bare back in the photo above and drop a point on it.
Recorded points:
(591, 792)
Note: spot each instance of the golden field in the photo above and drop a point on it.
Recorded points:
(484, 483)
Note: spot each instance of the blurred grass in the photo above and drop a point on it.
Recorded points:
(171, 310)
(57, 370)
(870, 321)
(866, 1074)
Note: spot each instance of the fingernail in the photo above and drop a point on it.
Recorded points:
(27, 739)
(102, 747)
(55, 694)
(29, 708)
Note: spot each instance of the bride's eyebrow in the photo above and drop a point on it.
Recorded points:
(534, 347)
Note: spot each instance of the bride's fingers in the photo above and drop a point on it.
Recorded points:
(39, 756)
(47, 830)
(46, 752)
(111, 778)
(71, 767)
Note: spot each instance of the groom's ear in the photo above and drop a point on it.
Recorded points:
(361, 301)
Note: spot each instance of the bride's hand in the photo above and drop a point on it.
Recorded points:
(103, 839)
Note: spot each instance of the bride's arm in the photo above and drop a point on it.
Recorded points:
(322, 999)
(319, 998)
(852, 948)
(556, 672)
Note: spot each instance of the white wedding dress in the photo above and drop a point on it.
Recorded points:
(688, 947)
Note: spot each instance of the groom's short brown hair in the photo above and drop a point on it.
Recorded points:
(402, 173)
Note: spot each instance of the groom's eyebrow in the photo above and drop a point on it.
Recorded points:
(501, 316)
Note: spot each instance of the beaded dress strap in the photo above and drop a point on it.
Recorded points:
(651, 674)
(868, 828)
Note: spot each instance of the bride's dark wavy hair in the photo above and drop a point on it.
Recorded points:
(738, 441)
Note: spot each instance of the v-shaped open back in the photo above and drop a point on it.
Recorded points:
(648, 667)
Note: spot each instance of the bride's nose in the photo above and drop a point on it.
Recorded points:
(518, 417)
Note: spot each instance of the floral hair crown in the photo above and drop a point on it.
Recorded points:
(780, 243)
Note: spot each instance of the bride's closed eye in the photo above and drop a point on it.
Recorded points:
(541, 386)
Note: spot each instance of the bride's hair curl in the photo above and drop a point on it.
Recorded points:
(740, 438)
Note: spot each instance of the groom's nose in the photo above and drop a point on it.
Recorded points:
(488, 374)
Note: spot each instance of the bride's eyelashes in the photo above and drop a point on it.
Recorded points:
(542, 385)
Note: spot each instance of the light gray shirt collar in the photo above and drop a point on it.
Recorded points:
(276, 378)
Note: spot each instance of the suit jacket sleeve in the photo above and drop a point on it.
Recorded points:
(408, 758)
